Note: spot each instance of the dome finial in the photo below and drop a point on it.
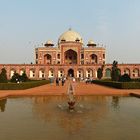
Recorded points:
(70, 29)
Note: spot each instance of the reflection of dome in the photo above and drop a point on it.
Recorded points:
(49, 43)
(71, 36)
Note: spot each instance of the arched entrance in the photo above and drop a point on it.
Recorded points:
(60, 73)
(93, 59)
(108, 73)
(70, 57)
(89, 73)
(70, 73)
(47, 59)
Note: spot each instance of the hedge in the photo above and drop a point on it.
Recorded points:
(21, 86)
(119, 85)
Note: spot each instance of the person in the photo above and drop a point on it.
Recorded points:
(57, 81)
(63, 81)
(73, 79)
(86, 80)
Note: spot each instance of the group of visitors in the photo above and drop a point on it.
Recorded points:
(62, 80)
(89, 80)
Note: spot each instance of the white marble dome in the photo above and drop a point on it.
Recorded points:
(70, 36)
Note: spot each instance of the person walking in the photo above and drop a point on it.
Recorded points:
(63, 81)
(57, 81)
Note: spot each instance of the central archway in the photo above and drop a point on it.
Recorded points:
(93, 59)
(47, 59)
(70, 73)
(70, 57)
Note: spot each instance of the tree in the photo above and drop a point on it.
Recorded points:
(100, 72)
(24, 77)
(15, 78)
(3, 76)
(115, 71)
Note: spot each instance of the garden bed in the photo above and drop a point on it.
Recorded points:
(21, 86)
(119, 85)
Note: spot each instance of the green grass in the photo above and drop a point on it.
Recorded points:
(21, 86)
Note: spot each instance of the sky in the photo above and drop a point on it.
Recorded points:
(26, 24)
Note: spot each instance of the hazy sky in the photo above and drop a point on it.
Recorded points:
(26, 24)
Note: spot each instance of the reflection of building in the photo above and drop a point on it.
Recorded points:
(54, 110)
(70, 58)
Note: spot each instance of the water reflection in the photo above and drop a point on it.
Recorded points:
(93, 118)
(115, 102)
(55, 109)
(3, 105)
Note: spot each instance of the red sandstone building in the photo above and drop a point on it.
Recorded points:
(69, 58)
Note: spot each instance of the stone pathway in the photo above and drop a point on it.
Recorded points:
(80, 88)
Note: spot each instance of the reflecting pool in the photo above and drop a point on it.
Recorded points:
(48, 118)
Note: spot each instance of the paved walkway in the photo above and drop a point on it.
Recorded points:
(80, 88)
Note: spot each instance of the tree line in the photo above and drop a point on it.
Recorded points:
(16, 78)
(115, 73)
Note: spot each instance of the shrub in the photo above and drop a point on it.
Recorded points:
(19, 78)
(125, 78)
(119, 85)
(24, 85)
(15, 78)
(136, 80)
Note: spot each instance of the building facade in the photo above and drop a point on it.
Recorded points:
(69, 58)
